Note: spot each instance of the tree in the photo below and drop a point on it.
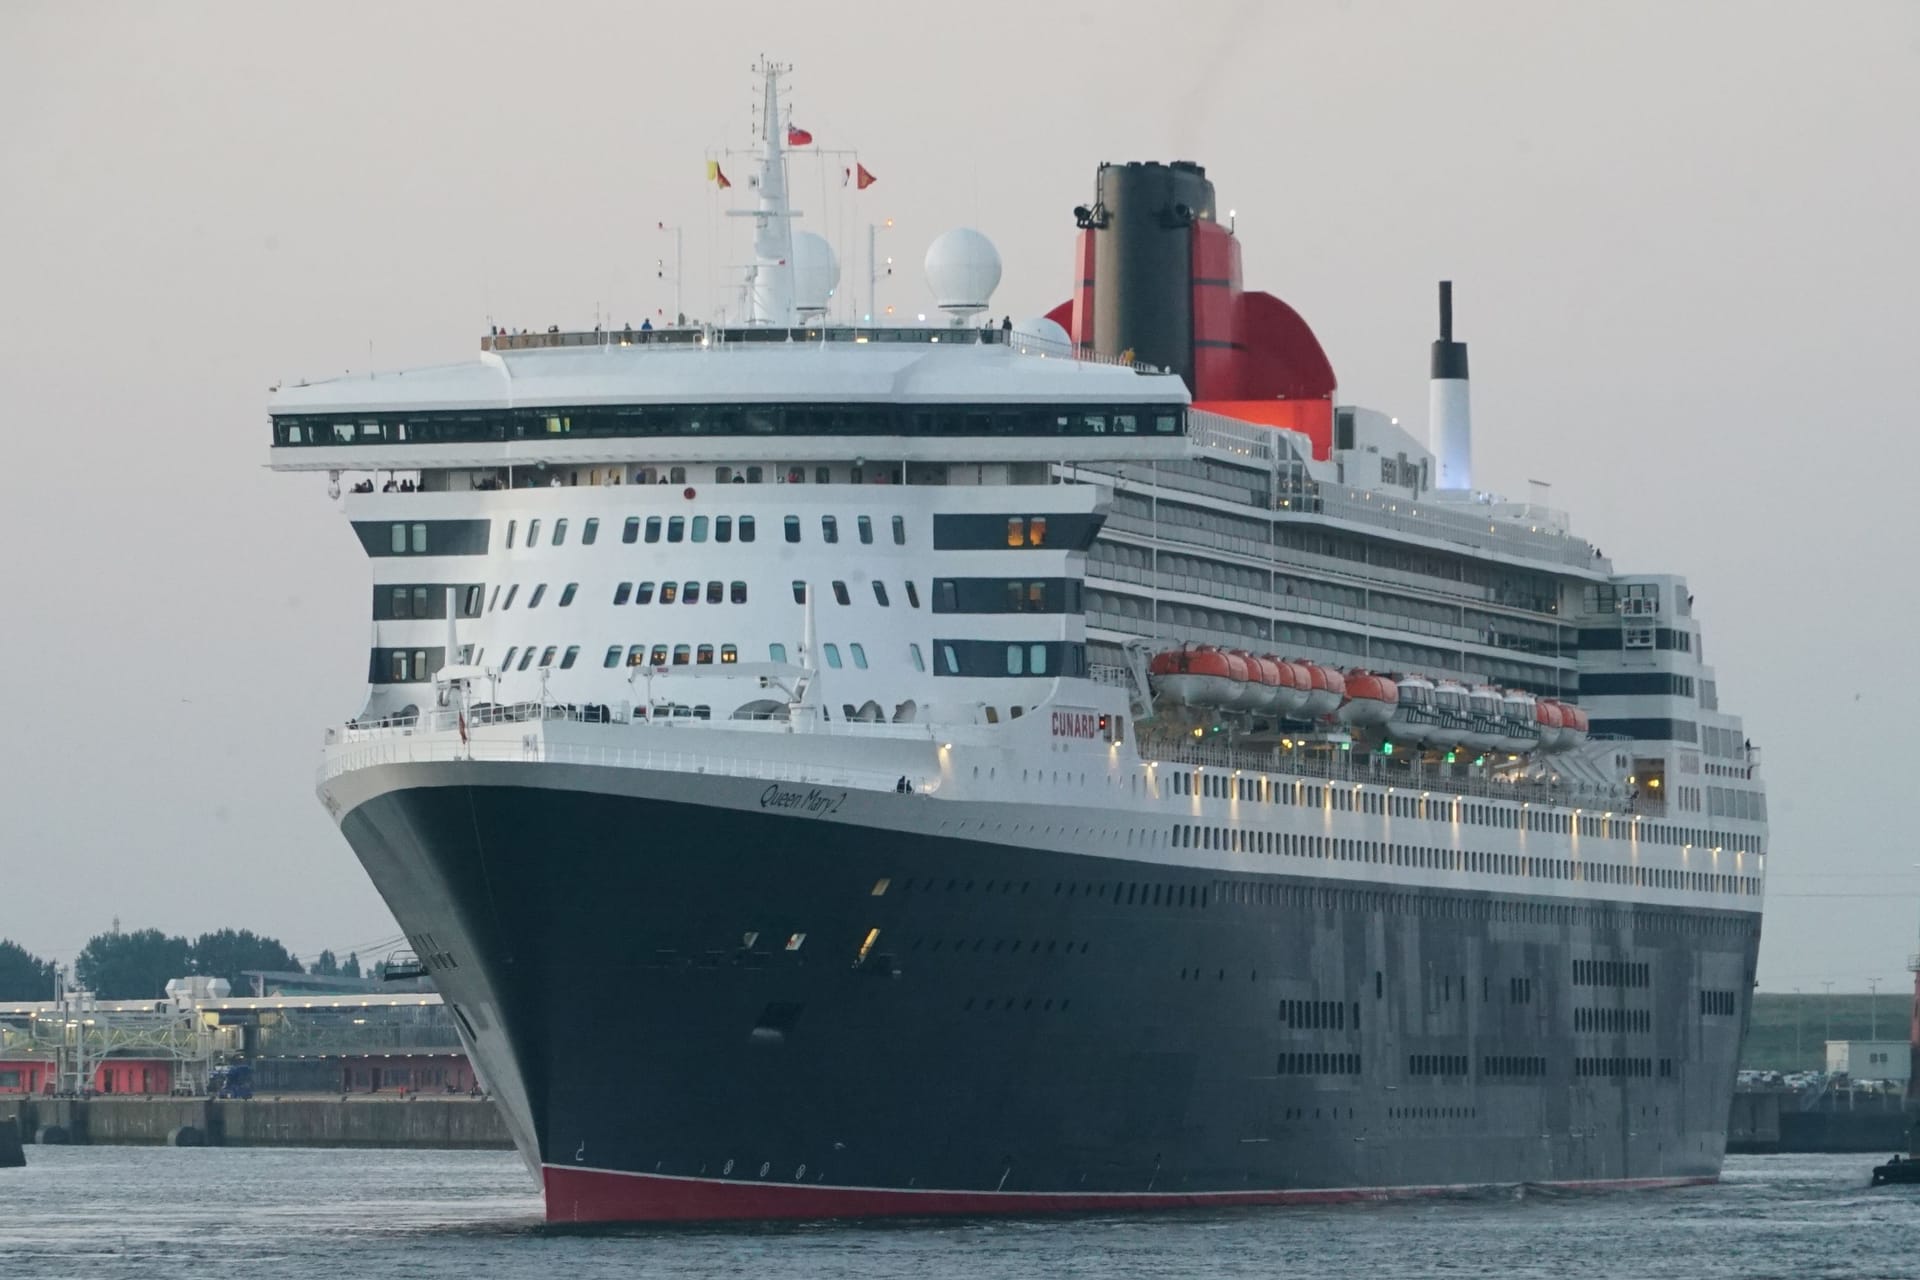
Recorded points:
(326, 966)
(351, 969)
(23, 975)
(229, 953)
(132, 966)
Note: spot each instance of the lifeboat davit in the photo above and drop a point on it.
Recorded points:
(1329, 688)
(1254, 692)
(1573, 725)
(1548, 717)
(1195, 675)
(1370, 699)
(1483, 710)
(1412, 716)
(1516, 716)
(1292, 686)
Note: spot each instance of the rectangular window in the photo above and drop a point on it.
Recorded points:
(589, 531)
(754, 475)
(865, 525)
(833, 655)
(401, 606)
(560, 532)
(880, 593)
(716, 591)
(676, 528)
(859, 655)
(471, 609)
(829, 529)
(950, 659)
(729, 655)
(622, 592)
(613, 655)
(703, 656)
(643, 593)
(659, 658)
(669, 592)
(1016, 659)
(630, 532)
(840, 592)
(682, 654)
(566, 594)
(776, 652)
(690, 593)
(739, 593)
(419, 539)
(421, 609)
(799, 591)
(533, 534)
(723, 528)
(699, 528)
(539, 594)
(899, 531)
(913, 594)
(399, 666)
(919, 663)
(1016, 531)
(823, 475)
(653, 529)
(400, 538)
(793, 528)
(746, 528)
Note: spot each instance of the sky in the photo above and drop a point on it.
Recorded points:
(1683, 239)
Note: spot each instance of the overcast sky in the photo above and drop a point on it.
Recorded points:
(1686, 241)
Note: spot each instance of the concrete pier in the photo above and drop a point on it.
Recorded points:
(428, 1122)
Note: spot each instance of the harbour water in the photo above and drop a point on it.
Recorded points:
(160, 1213)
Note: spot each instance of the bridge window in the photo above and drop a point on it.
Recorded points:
(526, 659)
(913, 594)
(512, 591)
(729, 654)
(799, 591)
(659, 657)
(546, 658)
(533, 533)
(676, 528)
(716, 590)
(919, 663)
(739, 592)
(703, 656)
(653, 529)
(669, 592)
(682, 654)
(776, 652)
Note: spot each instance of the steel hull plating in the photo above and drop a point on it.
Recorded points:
(689, 1015)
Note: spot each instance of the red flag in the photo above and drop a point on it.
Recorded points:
(798, 137)
(863, 179)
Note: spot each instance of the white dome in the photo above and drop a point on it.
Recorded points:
(816, 272)
(1042, 332)
(963, 270)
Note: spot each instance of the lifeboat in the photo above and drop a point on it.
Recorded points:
(1483, 709)
(1548, 718)
(1370, 699)
(1413, 715)
(1516, 716)
(1573, 725)
(1257, 691)
(1196, 675)
(1329, 687)
(1450, 698)
(1292, 687)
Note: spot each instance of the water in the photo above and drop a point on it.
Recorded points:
(160, 1213)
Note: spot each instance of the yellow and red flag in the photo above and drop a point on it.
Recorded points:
(715, 175)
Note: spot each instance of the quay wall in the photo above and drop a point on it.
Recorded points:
(427, 1123)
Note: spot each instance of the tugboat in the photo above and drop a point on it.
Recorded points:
(1897, 1170)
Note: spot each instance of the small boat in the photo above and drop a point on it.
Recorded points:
(1897, 1171)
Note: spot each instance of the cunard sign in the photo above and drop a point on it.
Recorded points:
(1076, 724)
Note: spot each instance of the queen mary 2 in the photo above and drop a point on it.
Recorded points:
(840, 770)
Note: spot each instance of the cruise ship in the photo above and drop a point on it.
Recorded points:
(850, 769)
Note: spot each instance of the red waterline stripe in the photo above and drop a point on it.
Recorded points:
(606, 1195)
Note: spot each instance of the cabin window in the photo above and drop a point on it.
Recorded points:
(776, 652)
(1016, 531)
(533, 533)
(653, 528)
(880, 593)
(566, 594)
(829, 529)
(723, 528)
(951, 659)
(560, 532)
(589, 531)
(840, 592)
(746, 528)
(723, 475)
(699, 528)
(823, 475)
(546, 658)
(793, 528)
(643, 593)
(669, 592)
(419, 539)
(859, 655)
(833, 655)
(1037, 531)
(919, 663)
(539, 594)
(511, 526)
(799, 591)
(739, 592)
(506, 663)
(613, 656)
(631, 531)
(682, 654)
(913, 594)
(753, 476)
(400, 609)
(690, 593)
(511, 592)
(703, 656)
(659, 658)
(1016, 659)
(899, 531)
(526, 659)
(677, 475)
(400, 538)
(676, 528)
(865, 526)
(729, 654)
(716, 590)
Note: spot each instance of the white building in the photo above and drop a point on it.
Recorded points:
(1870, 1059)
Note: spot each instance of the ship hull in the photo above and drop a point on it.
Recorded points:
(683, 1003)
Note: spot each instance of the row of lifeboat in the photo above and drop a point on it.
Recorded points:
(1411, 708)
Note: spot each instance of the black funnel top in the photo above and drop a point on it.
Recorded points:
(1449, 357)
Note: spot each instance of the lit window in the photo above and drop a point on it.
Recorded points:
(913, 594)
(840, 593)
(829, 529)
(511, 592)
(723, 528)
(566, 594)
(833, 655)
(1016, 531)
(546, 659)
(613, 656)
(703, 656)
(729, 655)
(699, 529)
(559, 532)
(776, 652)
(899, 531)
(533, 533)
(1037, 532)
(653, 528)
(880, 593)
(621, 592)
(669, 592)
(865, 525)
(793, 528)
(681, 654)
(716, 591)
(539, 593)
(739, 592)
(1016, 659)
(746, 528)
(631, 531)
(799, 591)
(690, 593)
(589, 531)
(919, 663)
(526, 659)
(643, 593)
(676, 528)
(659, 658)
(859, 656)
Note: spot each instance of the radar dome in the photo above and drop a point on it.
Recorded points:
(816, 272)
(1042, 332)
(963, 270)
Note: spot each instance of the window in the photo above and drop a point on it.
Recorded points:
(829, 529)
(1037, 531)
(659, 658)
(676, 528)
(899, 531)
(690, 593)
(471, 608)
(566, 594)
(400, 538)
(401, 608)
(589, 531)
(833, 655)
(823, 475)
(951, 659)
(715, 591)
(511, 526)
(859, 656)
(746, 528)
(399, 660)
(613, 656)
(511, 592)
(678, 475)
(560, 532)
(539, 594)
(776, 653)
(643, 593)
(1037, 659)
(723, 528)
(1016, 659)
(631, 531)
(526, 659)
(681, 654)
(840, 592)
(533, 533)
(913, 594)
(546, 658)
(723, 475)
(507, 661)
(653, 528)
(703, 656)
(739, 593)
(419, 539)
(753, 477)
(793, 528)
(919, 663)
(880, 593)
(669, 592)
(865, 525)
(1016, 531)
(799, 591)
(699, 528)
(946, 596)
